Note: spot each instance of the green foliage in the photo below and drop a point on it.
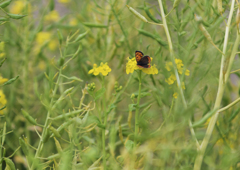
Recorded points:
(58, 112)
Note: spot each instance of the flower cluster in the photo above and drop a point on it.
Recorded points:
(132, 65)
(103, 68)
(169, 67)
(170, 80)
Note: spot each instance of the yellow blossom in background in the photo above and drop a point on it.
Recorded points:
(94, 70)
(132, 65)
(64, 1)
(175, 95)
(43, 37)
(170, 80)
(53, 44)
(169, 67)
(52, 16)
(73, 22)
(3, 101)
(17, 7)
(3, 80)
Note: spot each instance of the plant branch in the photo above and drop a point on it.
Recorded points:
(221, 86)
(174, 66)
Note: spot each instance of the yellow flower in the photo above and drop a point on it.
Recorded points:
(3, 101)
(169, 67)
(171, 79)
(132, 65)
(53, 44)
(94, 71)
(104, 69)
(3, 80)
(17, 7)
(64, 1)
(43, 37)
(73, 22)
(52, 16)
(175, 95)
(2, 55)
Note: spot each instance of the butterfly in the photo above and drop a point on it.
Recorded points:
(142, 61)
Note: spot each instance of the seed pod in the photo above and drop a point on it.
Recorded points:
(5, 3)
(204, 119)
(59, 148)
(64, 125)
(120, 132)
(16, 16)
(51, 5)
(233, 115)
(2, 62)
(55, 132)
(145, 110)
(61, 61)
(238, 18)
(148, 34)
(60, 36)
(23, 146)
(73, 113)
(28, 117)
(3, 19)
(176, 3)
(129, 118)
(94, 25)
(137, 14)
(68, 90)
(46, 136)
(10, 81)
(53, 156)
(220, 9)
(80, 36)
(4, 133)
(146, 9)
(10, 163)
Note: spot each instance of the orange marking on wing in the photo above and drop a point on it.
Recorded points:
(138, 56)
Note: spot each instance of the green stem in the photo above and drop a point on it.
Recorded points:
(103, 129)
(137, 108)
(221, 86)
(40, 145)
(175, 67)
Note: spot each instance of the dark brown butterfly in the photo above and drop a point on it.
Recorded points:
(142, 61)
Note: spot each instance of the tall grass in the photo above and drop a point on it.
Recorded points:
(73, 97)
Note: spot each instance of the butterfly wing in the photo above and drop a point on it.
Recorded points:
(144, 62)
(138, 55)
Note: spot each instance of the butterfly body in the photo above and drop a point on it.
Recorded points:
(142, 61)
